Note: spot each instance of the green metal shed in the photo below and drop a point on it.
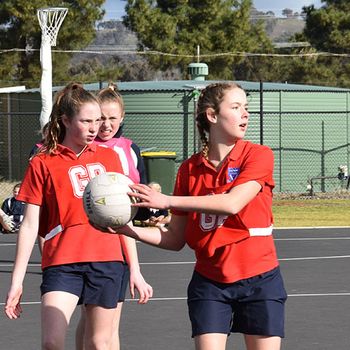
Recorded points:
(307, 127)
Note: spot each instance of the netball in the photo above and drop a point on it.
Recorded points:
(106, 201)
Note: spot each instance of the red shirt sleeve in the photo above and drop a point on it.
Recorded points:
(257, 166)
(32, 187)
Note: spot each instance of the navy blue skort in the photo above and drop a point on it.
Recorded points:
(253, 306)
(97, 283)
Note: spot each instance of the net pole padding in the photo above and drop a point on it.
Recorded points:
(45, 83)
(50, 20)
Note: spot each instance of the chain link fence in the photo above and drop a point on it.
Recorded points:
(18, 134)
(309, 146)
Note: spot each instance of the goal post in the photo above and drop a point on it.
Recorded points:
(50, 20)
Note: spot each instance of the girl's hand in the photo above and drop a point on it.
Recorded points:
(148, 197)
(7, 222)
(144, 289)
(121, 230)
(13, 307)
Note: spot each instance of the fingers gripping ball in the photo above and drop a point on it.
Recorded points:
(106, 201)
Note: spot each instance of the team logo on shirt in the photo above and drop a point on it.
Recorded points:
(232, 174)
(80, 175)
(209, 222)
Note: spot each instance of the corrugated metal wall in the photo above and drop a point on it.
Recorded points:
(161, 121)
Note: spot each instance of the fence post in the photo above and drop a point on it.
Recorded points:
(9, 136)
(280, 138)
(261, 113)
(323, 188)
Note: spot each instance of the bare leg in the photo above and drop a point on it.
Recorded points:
(210, 341)
(256, 342)
(115, 342)
(98, 327)
(79, 332)
(56, 311)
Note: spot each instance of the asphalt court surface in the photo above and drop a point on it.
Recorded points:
(315, 264)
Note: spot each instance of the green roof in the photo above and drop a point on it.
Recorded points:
(181, 85)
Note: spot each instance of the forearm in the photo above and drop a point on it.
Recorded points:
(222, 204)
(152, 236)
(130, 252)
(25, 243)
(162, 237)
(229, 203)
(216, 204)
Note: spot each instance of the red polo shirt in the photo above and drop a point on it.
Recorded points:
(56, 183)
(231, 248)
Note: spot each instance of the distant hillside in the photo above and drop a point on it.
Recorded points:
(110, 36)
(112, 53)
(284, 28)
(113, 33)
(279, 29)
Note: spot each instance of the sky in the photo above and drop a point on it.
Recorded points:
(278, 5)
(115, 8)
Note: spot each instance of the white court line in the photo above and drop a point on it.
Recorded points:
(280, 259)
(193, 262)
(308, 227)
(12, 244)
(169, 263)
(316, 258)
(303, 295)
(342, 294)
(11, 264)
(312, 239)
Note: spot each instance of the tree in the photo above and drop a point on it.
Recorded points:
(287, 12)
(92, 69)
(327, 30)
(19, 28)
(137, 69)
(176, 28)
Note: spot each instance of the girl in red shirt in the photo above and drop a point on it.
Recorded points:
(81, 264)
(222, 208)
(110, 135)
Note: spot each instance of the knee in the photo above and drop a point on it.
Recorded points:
(98, 343)
(52, 344)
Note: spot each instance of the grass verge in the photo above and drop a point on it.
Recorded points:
(311, 212)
